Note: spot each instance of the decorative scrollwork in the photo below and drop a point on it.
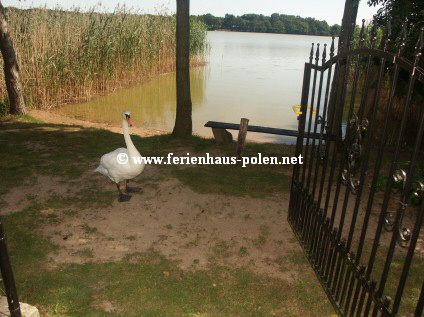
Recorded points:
(404, 233)
(399, 176)
(389, 221)
(357, 128)
(417, 190)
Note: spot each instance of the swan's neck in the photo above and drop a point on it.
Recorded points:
(132, 151)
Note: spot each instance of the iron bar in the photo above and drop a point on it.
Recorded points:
(411, 168)
(410, 254)
(317, 114)
(305, 158)
(327, 148)
(420, 305)
(7, 275)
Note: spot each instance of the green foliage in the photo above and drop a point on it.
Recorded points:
(197, 36)
(4, 107)
(396, 11)
(276, 23)
(367, 33)
(70, 56)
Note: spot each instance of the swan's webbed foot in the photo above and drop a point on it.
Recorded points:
(123, 198)
(129, 189)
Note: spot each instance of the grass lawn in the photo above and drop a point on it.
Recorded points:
(147, 282)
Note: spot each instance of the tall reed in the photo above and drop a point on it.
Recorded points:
(70, 56)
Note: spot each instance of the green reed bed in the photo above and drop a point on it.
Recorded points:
(69, 56)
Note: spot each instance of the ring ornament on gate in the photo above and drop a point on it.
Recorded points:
(417, 189)
(399, 177)
(405, 233)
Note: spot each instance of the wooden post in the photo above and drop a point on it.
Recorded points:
(242, 137)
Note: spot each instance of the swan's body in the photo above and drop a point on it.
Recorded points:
(117, 172)
(110, 167)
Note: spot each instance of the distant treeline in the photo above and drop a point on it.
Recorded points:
(276, 23)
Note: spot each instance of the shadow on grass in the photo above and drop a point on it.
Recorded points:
(31, 149)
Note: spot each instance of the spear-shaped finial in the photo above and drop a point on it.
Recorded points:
(332, 47)
(374, 32)
(324, 54)
(311, 55)
(387, 36)
(317, 55)
(362, 34)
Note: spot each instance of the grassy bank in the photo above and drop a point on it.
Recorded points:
(70, 56)
(142, 283)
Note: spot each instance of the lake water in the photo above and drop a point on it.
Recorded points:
(249, 75)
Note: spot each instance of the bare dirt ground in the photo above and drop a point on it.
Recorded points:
(193, 229)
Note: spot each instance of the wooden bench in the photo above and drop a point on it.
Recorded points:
(222, 136)
(219, 129)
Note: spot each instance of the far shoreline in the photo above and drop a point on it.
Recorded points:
(229, 31)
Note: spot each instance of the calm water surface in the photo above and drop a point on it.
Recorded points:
(252, 75)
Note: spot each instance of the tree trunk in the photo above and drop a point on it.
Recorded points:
(11, 68)
(336, 97)
(348, 24)
(183, 122)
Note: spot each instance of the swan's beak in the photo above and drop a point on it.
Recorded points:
(129, 122)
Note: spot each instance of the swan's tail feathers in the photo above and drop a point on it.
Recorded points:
(100, 169)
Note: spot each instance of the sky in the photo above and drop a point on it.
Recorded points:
(328, 10)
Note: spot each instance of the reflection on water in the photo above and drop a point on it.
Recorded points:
(250, 75)
(152, 104)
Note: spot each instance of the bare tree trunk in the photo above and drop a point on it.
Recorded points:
(11, 68)
(183, 122)
(348, 24)
(346, 34)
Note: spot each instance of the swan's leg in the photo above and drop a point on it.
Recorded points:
(132, 189)
(122, 197)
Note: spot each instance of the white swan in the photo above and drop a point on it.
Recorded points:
(111, 163)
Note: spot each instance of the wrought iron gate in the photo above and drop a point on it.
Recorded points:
(356, 203)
